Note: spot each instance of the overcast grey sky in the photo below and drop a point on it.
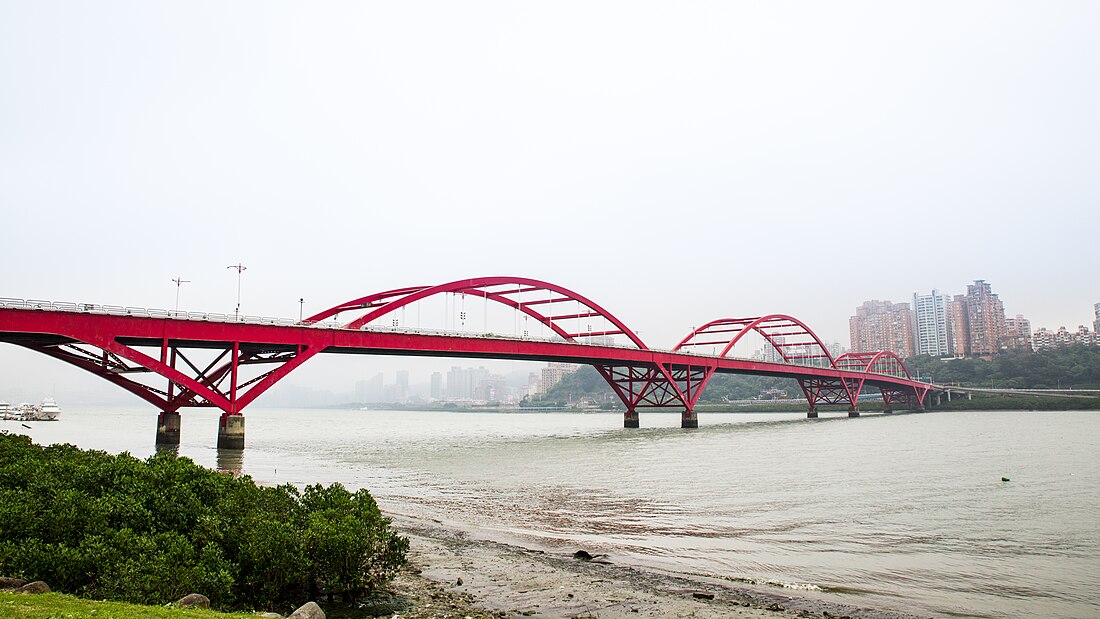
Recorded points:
(676, 162)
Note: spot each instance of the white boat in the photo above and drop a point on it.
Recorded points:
(48, 410)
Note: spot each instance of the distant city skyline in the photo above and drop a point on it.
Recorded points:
(942, 325)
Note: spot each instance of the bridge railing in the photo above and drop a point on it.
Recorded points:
(142, 312)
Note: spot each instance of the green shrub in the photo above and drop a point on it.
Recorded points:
(119, 528)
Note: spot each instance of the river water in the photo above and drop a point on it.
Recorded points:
(905, 512)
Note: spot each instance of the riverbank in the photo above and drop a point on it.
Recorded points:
(1012, 402)
(453, 571)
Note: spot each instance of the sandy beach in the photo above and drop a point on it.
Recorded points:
(455, 573)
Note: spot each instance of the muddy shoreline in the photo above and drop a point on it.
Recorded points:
(478, 577)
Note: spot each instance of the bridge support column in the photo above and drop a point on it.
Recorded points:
(630, 419)
(853, 411)
(689, 419)
(887, 411)
(168, 429)
(812, 414)
(231, 431)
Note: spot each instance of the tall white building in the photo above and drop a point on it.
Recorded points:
(1096, 323)
(932, 328)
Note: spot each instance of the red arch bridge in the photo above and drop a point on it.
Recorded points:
(215, 360)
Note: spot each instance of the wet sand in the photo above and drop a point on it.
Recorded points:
(480, 575)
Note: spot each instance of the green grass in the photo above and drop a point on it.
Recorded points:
(60, 606)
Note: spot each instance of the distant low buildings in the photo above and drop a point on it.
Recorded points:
(1047, 339)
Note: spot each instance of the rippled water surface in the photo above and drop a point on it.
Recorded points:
(906, 511)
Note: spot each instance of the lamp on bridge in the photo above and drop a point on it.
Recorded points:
(179, 282)
(240, 269)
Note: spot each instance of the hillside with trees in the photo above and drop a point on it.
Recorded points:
(1076, 367)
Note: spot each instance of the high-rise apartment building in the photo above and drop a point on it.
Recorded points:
(369, 390)
(1096, 323)
(402, 391)
(961, 322)
(462, 382)
(1017, 334)
(437, 386)
(985, 316)
(932, 325)
(882, 325)
(552, 375)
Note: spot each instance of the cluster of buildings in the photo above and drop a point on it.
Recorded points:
(941, 325)
(467, 385)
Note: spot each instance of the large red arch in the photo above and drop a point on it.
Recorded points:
(867, 361)
(508, 291)
(771, 327)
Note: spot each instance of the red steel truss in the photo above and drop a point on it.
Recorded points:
(884, 363)
(241, 359)
(792, 339)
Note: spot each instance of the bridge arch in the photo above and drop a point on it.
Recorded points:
(880, 362)
(520, 293)
(794, 341)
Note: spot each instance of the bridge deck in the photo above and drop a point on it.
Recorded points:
(53, 328)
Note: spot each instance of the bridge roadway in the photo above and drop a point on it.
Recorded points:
(128, 346)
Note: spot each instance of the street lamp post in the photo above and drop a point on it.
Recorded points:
(179, 282)
(301, 307)
(240, 268)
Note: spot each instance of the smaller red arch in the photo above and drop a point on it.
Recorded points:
(520, 293)
(794, 341)
(878, 362)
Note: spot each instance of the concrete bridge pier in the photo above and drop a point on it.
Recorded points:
(689, 419)
(887, 411)
(168, 429)
(630, 419)
(812, 414)
(231, 431)
(853, 411)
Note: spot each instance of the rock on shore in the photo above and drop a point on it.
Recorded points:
(309, 610)
(193, 600)
(11, 584)
(34, 587)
